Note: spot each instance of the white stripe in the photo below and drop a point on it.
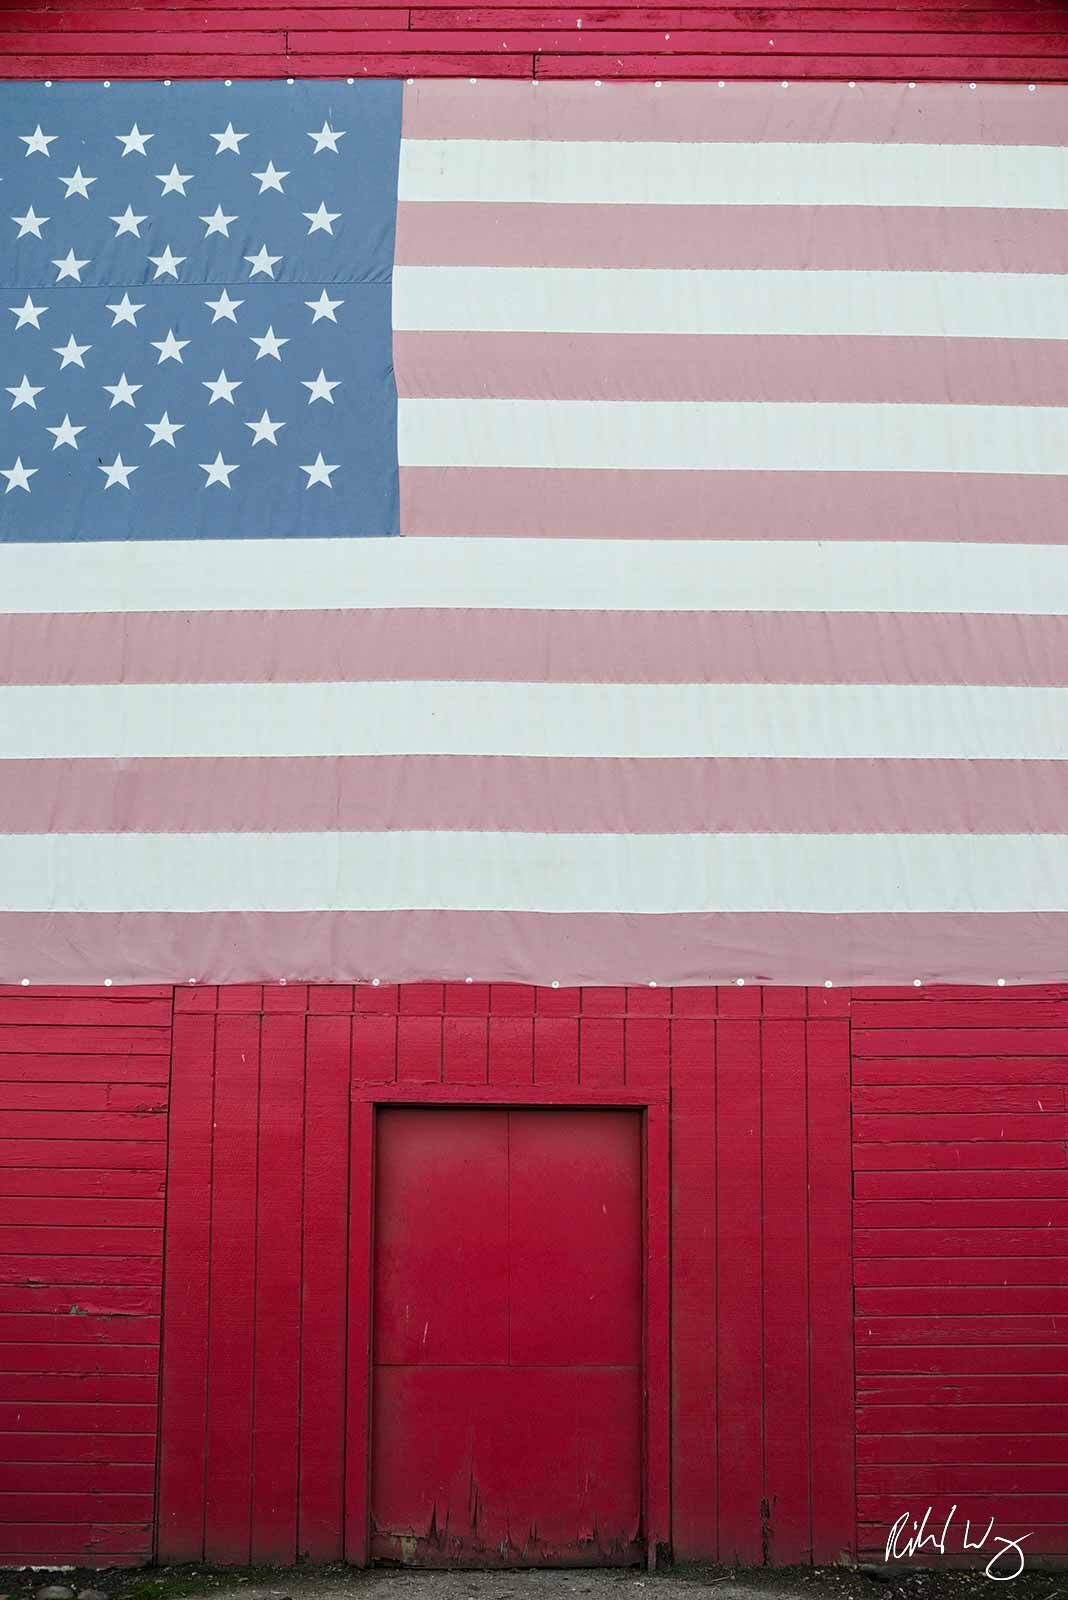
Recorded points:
(535, 574)
(124, 721)
(753, 436)
(974, 305)
(534, 872)
(593, 172)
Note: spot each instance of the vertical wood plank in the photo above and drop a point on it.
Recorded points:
(374, 1049)
(657, 1332)
(278, 1273)
(831, 1266)
(511, 1050)
(739, 1303)
(602, 1052)
(227, 1528)
(419, 1046)
(464, 1050)
(320, 1532)
(184, 1376)
(786, 1301)
(358, 1385)
(693, 1288)
(647, 1045)
(556, 1052)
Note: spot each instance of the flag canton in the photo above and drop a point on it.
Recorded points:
(196, 336)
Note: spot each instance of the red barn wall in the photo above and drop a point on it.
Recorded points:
(929, 1258)
(1010, 40)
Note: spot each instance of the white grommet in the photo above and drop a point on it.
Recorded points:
(556, 983)
(191, 980)
(917, 983)
(282, 981)
(48, 83)
(107, 983)
(289, 80)
(166, 83)
(229, 82)
(722, 85)
(1030, 88)
(827, 984)
(107, 83)
(375, 982)
(739, 981)
(658, 84)
(472, 80)
(971, 86)
(25, 982)
(912, 86)
(353, 80)
(596, 83)
(852, 83)
(410, 80)
(785, 84)
(652, 983)
(469, 980)
(1001, 983)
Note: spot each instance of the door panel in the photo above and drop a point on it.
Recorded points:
(575, 1232)
(506, 1402)
(441, 1237)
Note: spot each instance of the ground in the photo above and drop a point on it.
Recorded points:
(392, 1583)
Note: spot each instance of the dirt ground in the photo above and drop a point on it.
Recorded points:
(679, 1583)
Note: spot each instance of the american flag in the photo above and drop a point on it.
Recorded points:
(724, 430)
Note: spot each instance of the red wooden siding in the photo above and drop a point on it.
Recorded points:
(1011, 40)
(83, 1103)
(961, 1246)
(256, 1261)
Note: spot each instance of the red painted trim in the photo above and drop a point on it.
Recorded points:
(358, 1400)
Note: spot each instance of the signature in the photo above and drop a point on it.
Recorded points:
(1007, 1554)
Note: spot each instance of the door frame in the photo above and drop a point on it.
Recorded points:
(656, 1299)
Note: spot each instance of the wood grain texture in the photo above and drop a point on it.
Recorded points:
(631, 40)
(84, 1079)
(961, 1251)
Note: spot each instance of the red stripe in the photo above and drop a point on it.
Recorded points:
(594, 366)
(591, 503)
(787, 238)
(739, 113)
(575, 948)
(531, 794)
(536, 646)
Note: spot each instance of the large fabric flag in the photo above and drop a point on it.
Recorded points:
(565, 533)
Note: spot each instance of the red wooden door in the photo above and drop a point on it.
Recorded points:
(506, 1412)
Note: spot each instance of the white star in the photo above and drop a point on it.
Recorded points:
(122, 393)
(71, 353)
(24, 394)
(269, 344)
(322, 220)
(170, 348)
(264, 430)
(174, 182)
(167, 262)
(133, 143)
(38, 142)
(125, 311)
(228, 140)
(218, 222)
(224, 307)
(18, 476)
(28, 313)
(67, 433)
(270, 178)
(326, 138)
(323, 307)
(262, 262)
(164, 430)
(70, 267)
(128, 223)
(29, 223)
(222, 387)
(77, 184)
(218, 471)
(118, 472)
(319, 472)
(320, 388)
